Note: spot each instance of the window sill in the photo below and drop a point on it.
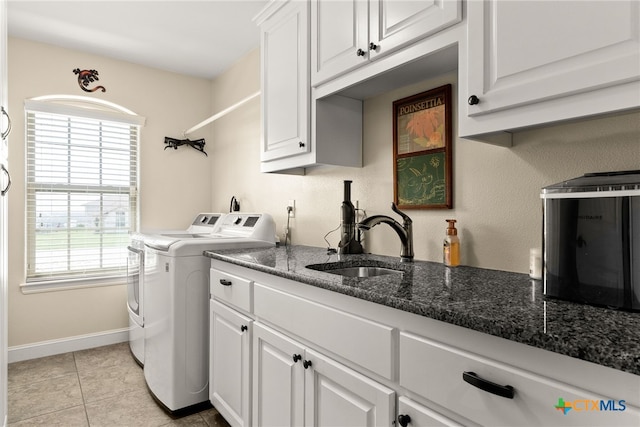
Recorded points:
(71, 284)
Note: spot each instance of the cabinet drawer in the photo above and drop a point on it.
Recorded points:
(435, 371)
(231, 289)
(366, 343)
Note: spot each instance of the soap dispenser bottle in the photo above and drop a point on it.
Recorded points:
(451, 246)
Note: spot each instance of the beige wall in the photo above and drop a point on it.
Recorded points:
(174, 184)
(496, 190)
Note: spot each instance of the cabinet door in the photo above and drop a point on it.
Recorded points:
(285, 82)
(338, 396)
(339, 37)
(524, 52)
(394, 23)
(229, 364)
(278, 379)
(411, 413)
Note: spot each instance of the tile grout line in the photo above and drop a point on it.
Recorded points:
(84, 402)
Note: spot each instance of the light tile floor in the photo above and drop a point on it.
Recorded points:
(102, 386)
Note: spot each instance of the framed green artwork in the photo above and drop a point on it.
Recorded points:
(422, 144)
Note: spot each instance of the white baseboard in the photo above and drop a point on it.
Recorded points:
(66, 345)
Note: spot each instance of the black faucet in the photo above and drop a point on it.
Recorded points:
(404, 230)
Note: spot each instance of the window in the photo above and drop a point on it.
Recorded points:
(81, 188)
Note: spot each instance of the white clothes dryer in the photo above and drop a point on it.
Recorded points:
(204, 223)
(176, 292)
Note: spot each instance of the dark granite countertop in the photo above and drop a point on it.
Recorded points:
(504, 304)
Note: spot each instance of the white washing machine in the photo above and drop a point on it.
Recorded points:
(176, 304)
(135, 279)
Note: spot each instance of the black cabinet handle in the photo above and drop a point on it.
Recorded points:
(5, 133)
(6, 189)
(404, 420)
(301, 144)
(360, 52)
(488, 386)
(373, 46)
(473, 100)
(225, 282)
(306, 364)
(243, 328)
(296, 357)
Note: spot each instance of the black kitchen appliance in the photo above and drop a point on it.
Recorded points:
(591, 239)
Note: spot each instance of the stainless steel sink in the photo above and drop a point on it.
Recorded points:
(363, 271)
(354, 271)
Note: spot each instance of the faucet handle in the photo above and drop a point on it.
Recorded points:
(404, 216)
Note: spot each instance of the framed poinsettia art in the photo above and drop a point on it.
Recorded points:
(422, 144)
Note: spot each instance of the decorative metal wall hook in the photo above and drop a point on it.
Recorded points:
(86, 77)
(175, 143)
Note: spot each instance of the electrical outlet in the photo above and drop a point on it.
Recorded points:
(291, 208)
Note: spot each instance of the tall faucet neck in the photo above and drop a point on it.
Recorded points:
(404, 231)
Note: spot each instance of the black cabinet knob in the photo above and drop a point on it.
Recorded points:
(306, 364)
(243, 328)
(300, 144)
(404, 420)
(373, 46)
(296, 357)
(360, 52)
(473, 100)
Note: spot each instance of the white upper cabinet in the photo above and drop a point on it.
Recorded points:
(297, 133)
(534, 62)
(285, 81)
(346, 34)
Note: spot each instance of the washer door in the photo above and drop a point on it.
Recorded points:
(135, 270)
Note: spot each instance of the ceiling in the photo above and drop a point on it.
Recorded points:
(198, 38)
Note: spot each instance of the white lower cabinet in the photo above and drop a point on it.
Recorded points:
(493, 393)
(412, 413)
(230, 363)
(294, 385)
(287, 354)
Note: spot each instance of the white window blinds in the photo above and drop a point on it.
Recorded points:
(81, 191)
